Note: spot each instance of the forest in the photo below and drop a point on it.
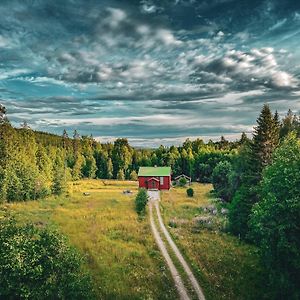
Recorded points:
(257, 177)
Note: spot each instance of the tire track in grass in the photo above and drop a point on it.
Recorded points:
(154, 197)
(174, 272)
(178, 254)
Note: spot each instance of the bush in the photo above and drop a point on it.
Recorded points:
(182, 181)
(190, 192)
(39, 264)
(141, 201)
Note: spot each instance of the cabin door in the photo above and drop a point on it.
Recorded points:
(152, 185)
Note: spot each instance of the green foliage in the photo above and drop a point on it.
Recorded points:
(78, 166)
(182, 181)
(39, 264)
(240, 210)
(133, 175)
(90, 168)
(59, 185)
(141, 201)
(120, 175)
(221, 180)
(190, 192)
(256, 156)
(265, 140)
(275, 221)
(121, 156)
(290, 122)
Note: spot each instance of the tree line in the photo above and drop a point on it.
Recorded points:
(262, 187)
(36, 164)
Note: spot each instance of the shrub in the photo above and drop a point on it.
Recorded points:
(39, 264)
(141, 201)
(190, 192)
(182, 181)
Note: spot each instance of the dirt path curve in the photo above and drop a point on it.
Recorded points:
(154, 197)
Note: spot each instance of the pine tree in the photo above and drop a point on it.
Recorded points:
(244, 139)
(25, 125)
(120, 175)
(89, 169)
(65, 140)
(76, 143)
(109, 169)
(3, 118)
(78, 167)
(59, 185)
(265, 140)
(133, 175)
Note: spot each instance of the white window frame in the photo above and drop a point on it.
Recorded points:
(161, 180)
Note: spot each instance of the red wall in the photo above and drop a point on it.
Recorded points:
(165, 186)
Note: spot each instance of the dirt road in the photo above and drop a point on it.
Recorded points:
(154, 197)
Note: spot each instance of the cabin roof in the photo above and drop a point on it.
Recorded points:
(154, 171)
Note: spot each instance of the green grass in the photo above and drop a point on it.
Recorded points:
(121, 252)
(225, 267)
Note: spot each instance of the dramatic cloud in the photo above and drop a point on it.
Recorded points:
(153, 71)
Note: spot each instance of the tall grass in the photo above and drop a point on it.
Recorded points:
(226, 268)
(120, 250)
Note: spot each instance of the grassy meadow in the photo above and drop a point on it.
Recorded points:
(120, 250)
(225, 267)
(121, 253)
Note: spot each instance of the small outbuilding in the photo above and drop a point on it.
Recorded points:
(155, 178)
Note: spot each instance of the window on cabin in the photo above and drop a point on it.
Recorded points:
(161, 180)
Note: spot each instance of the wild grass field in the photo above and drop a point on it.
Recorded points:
(121, 253)
(225, 267)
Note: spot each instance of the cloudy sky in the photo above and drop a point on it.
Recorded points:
(154, 71)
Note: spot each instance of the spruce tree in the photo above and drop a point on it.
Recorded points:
(109, 169)
(120, 175)
(265, 140)
(3, 118)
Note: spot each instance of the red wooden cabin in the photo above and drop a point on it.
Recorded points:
(155, 178)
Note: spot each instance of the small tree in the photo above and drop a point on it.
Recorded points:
(190, 192)
(133, 175)
(120, 175)
(221, 179)
(60, 177)
(141, 201)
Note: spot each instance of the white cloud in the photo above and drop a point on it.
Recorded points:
(283, 79)
(167, 37)
(116, 17)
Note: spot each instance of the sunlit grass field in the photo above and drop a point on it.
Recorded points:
(120, 250)
(225, 267)
(121, 253)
